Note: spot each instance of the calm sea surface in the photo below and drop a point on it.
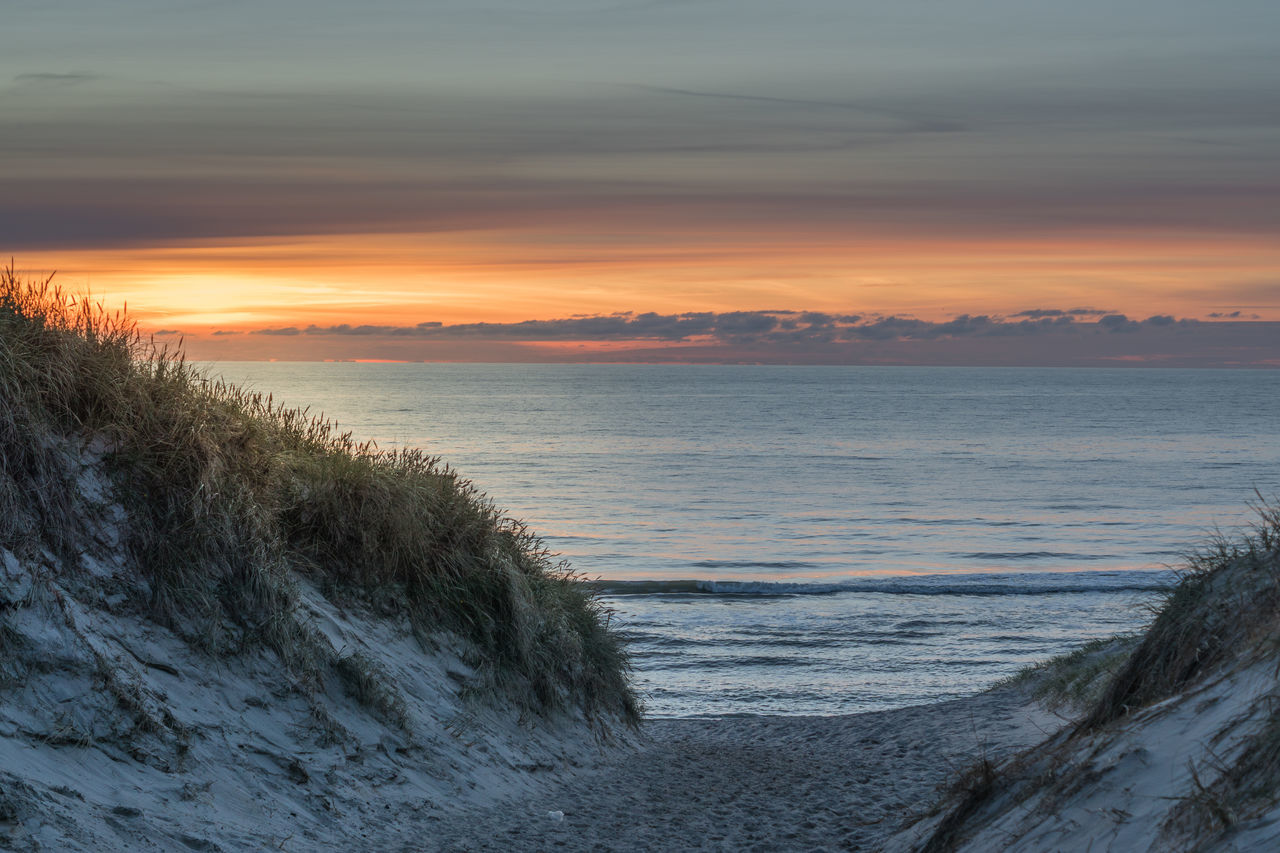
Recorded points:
(821, 540)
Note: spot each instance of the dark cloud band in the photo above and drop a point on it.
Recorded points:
(761, 327)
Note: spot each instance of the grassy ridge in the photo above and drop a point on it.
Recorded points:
(1227, 598)
(1225, 602)
(1222, 615)
(232, 498)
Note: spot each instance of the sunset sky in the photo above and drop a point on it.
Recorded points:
(975, 181)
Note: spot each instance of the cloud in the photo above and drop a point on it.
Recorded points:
(740, 323)
(167, 332)
(45, 78)
(1117, 323)
(241, 163)
(648, 326)
(1037, 313)
(906, 121)
(1056, 337)
(776, 327)
(223, 332)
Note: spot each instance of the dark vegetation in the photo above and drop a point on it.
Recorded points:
(232, 501)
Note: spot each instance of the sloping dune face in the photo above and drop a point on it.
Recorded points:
(1179, 750)
(225, 624)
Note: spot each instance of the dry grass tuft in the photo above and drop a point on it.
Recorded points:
(1242, 790)
(975, 787)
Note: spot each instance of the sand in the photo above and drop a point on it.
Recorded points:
(1134, 785)
(756, 783)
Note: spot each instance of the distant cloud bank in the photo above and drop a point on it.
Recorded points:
(1033, 337)
(732, 327)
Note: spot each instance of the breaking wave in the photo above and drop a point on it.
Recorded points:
(1040, 583)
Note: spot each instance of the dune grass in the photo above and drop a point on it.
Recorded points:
(1075, 680)
(1226, 597)
(232, 499)
(1226, 601)
(1223, 612)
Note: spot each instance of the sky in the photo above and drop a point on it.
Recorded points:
(842, 181)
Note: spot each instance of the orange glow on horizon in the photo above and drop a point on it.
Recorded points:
(497, 277)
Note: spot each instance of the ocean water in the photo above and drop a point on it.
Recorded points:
(823, 540)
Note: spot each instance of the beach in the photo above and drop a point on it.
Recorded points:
(601, 426)
(755, 783)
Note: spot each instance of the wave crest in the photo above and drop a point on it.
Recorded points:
(1042, 583)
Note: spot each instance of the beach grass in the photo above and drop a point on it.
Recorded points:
(1226, 597)
(234, 500)
(1226, 604)
(1221, 617)
(1075, 680)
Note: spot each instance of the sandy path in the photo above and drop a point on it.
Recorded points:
(767, 783)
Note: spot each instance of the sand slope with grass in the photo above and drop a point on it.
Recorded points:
(116, 734)
(1175, 743)
(225, 625)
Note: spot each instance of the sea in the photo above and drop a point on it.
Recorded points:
(829, 540)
